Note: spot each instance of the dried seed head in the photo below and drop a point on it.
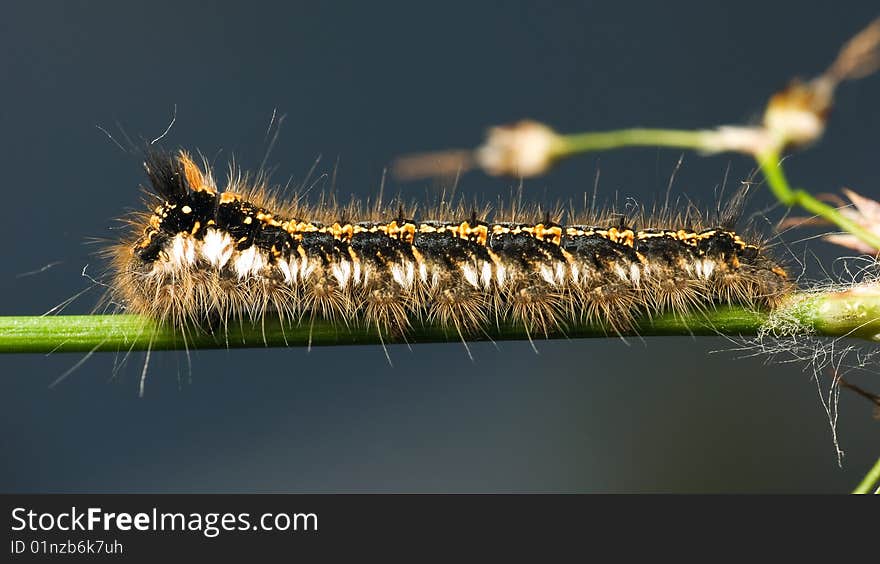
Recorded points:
(797, 115)
(526, 148)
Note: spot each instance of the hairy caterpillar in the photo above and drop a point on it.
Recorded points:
(204, 256)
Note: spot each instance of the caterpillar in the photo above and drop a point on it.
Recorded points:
(201, 255)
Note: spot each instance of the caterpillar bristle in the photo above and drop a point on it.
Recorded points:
(204, 256)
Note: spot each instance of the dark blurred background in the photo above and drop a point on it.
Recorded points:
(361, 83)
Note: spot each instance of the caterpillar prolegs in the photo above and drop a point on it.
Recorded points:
(205, 255)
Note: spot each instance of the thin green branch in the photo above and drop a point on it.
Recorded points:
(78, 333)
(854, 313)
(770, 164)
(573, 144)
(871, 482)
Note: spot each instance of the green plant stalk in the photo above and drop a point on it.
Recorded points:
(576, 143)
(871, 481)
(79, 333)
(770, 165)
(854, 313)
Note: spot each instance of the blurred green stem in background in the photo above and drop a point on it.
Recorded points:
(871, 481)
(771, 166)
(573, 144)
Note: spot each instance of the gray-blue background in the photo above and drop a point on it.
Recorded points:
(363, 82)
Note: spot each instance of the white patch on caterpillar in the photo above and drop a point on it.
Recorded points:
(182, 253)
(547, 275)
(342, 272)
(403, 275)
(306, 267)
(561, 270)
(436, 274)
(410, 275)
(284, 267)
(486, 274)
(290, 269)
(248, 262)
(500, 274)
(470, 275)
(356, 272)
(217, 248)
(705, 268)
(367, 274)
(635, 274)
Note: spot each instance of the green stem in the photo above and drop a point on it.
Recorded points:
(772, 169)
(600, 141)
(870, 481)
(855, 313)
(78, 333)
